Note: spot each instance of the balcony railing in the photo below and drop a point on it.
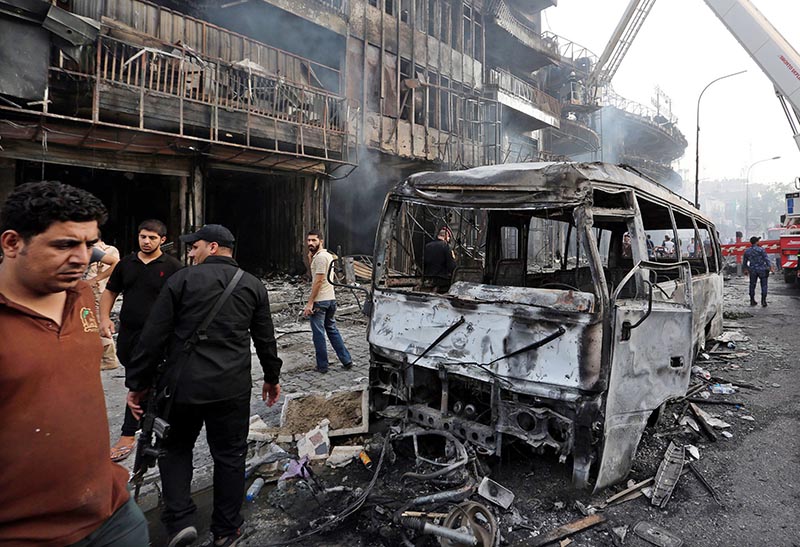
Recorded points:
(523, 90)
(665, 121)
(180, 92)
(581, 57)
(208, 40)
(508, 20)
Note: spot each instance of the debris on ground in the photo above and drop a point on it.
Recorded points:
(652, 533)
(569, 529)
(667, 475)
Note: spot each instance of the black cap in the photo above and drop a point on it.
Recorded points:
(754, 240)
(213, 233)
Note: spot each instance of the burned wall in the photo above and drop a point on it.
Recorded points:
(269, 214)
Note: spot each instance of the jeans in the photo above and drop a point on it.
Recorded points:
(227, 423)
(127, 527)
(754, 277)
(322, 322)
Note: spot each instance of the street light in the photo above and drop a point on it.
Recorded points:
(697, 138)
(747, 194)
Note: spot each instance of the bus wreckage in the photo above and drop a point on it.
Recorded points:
(568, 320)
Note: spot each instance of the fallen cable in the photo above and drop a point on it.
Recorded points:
(348, 511)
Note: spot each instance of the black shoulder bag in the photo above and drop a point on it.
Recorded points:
(155, 426)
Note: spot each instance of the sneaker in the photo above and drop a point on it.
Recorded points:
(347, 366)
(185, 537)
(321, 370)
(753, 302)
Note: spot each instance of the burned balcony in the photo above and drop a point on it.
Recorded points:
(512, 40)
(539, 109)
(243, 111)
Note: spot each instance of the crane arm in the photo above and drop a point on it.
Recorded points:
(768, 48)
(620, 42)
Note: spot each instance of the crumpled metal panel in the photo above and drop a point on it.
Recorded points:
(642, 378)
(567, 301)
(408, 324)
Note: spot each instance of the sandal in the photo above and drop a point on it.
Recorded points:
(119, 453)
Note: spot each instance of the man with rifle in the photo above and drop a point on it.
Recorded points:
(204, 319)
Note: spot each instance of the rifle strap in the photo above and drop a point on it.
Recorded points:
(199, 334)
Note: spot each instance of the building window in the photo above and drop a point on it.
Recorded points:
(478, 37)
(390, 7)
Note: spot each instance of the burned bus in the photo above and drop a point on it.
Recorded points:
(568, 320)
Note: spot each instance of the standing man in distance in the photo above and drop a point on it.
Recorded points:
(438, 262)
(321, 306)
(756, 261)
(57, 485)
(101, 265)
(139, 277)
(210, 380)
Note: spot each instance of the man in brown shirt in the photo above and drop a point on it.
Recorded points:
(57, 485)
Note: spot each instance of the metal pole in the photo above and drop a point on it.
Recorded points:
(747, 195)
(697, 138)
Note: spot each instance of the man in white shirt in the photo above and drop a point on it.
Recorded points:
(669, 245)
(321, 306)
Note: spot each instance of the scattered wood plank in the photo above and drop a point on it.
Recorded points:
(704, 425)
(702, 401)
(568, 529)
(629, 490)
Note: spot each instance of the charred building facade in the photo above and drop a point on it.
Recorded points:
(277, 116)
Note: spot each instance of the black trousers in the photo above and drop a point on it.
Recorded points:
(227, 423)
(127, 340)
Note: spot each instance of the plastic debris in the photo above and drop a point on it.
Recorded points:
(693, 451)
(748, 418)
(254, 489)
(723, 389)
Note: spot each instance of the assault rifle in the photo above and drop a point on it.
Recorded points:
(154, 430)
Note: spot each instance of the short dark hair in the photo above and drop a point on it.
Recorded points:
(315, 232)
(32, 207)
(153, 225)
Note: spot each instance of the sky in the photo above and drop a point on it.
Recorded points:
(681, 47)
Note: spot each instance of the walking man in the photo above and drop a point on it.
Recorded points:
(209, 378)
(139, 277)
(321, 306)
(57, 485)
(756, 261)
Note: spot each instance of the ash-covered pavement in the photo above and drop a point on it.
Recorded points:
(755, 472)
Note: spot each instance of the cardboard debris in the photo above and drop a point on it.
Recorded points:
(315, 444)
(343, 455)
(733, 336)
(259, 431)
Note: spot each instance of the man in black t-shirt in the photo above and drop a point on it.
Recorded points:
(139, 278)
(438, 261)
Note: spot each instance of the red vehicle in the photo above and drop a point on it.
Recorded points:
(790, 238)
